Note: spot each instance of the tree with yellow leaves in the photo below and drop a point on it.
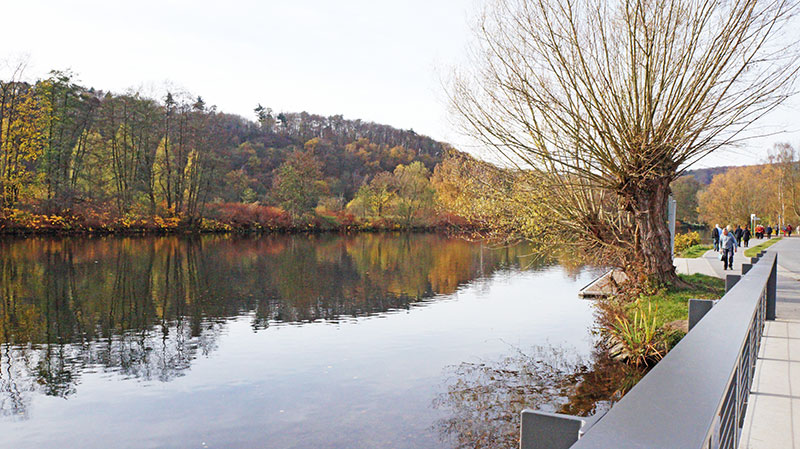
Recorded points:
(734, 195)
(500, 202)
(414, 191)
(22, 138)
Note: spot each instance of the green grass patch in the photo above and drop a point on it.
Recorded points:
(753, 252)
(695, 251)
(637, 332)
(673, 303)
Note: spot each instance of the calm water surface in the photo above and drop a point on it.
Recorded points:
(362, 341)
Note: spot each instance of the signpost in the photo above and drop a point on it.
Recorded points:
(671, 213)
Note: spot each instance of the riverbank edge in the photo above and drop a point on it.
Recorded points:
(144, 231)
(241, 220)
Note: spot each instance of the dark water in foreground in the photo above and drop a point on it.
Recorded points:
(286, 342)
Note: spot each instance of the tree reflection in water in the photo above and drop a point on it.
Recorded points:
(484, 400)
(145, 307)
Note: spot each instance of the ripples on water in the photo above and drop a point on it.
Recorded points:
(294, 341)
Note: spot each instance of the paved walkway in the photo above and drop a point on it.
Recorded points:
(709, 264)
(772, 420)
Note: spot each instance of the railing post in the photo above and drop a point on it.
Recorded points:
(542, 430)
(772, 290)
(698, 308)
(731, 280)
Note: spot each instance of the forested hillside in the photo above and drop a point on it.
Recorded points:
(730, 195)
(705, 175)
(95, 157)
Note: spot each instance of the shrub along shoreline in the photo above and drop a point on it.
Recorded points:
(220, 218)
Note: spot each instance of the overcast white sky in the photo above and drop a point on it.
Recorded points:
(376, 60)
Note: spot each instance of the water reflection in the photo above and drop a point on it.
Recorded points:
(484, 400)
(145, 308)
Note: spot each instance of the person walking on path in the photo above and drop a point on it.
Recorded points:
(716, 233)
(738, 233)
(789, 230)
(769, 231)
(729, 246)
(746, 236)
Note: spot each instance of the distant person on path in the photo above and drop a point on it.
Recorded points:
(729, 246)
(789, 230)
(746, 235)
(716, 233)
(759, 232)
(769, 231)
(738, 233)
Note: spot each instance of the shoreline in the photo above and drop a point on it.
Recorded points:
(24, 223)
(254, 230)
(27, 232)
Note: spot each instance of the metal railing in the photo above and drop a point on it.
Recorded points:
(696, 396)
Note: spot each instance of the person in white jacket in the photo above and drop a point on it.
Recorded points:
(728, 246)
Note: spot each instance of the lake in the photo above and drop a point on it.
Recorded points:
(304, 341)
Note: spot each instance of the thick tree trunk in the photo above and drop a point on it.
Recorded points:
(649, 200)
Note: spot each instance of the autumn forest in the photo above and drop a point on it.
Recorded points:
(74, 158)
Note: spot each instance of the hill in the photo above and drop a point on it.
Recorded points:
(705, 175)
(67, 147)
(349, 152)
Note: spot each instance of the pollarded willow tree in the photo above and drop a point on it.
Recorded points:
(608, 102)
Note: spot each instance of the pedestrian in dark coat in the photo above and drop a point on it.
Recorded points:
(769, 231)
(738, 233)
(746, 236)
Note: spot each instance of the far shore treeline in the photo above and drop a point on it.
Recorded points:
(78, 159)
(731, 195)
